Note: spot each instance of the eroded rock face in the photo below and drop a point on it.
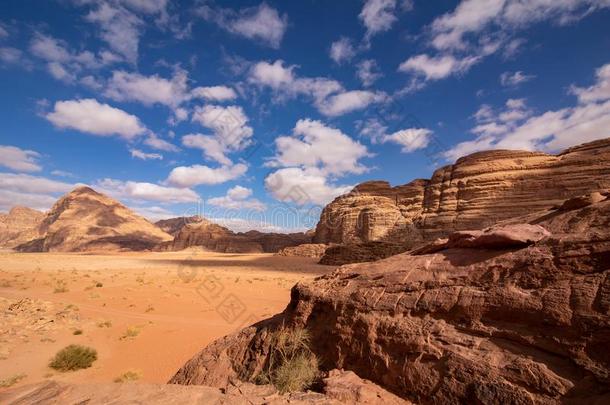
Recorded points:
(85, 220)
(173, 226)
(211, 236)
(474, 193)
(19, 226)
(340, 388)
(520, 325)
(314, 250)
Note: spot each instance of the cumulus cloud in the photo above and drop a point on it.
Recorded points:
(20, 160)
(90, 116)
(378, 16)
(439, 67)
(342, 50)
(315, 145)
(329, 96)
(31, 191)
(138, 154)
(148, 90)
(474, 20)
(230, 132)
(10, 55)
(262, 23)
(517, 127)
(155, 142)
(368, 72)
(237, 198)
(155, 213)
(410, 139)
(189, 176)
(513, 79)
(301, 186)
(145, 191)
(214, 93)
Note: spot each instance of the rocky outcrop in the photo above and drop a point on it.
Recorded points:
(85, 220)
(313, 250)
(173, 226)
(208, 235)
(474, 193)
(19, 226)
(339, 388)
(525, 323)
(360, 252)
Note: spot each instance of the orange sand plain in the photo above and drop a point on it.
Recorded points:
(142, 312)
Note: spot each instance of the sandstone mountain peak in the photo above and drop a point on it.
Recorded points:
(85, 220)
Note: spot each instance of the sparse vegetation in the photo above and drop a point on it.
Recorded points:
(131, 332)
(60, 287)
(73, 357)
(291, 365)
(104, 324)
(128, 376)
(77, 332)
(10, 381)
(98, 284)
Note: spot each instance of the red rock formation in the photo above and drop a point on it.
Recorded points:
(173, 226)
(85, 220)
(214, 237)
(19, 226)
(474, 193)
(314, 250)
(526, 324)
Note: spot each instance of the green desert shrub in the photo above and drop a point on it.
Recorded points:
(73, 357)
(291, 365)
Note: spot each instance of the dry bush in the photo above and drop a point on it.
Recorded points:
(128, 376)
(10, 381)
(291, 365)
(73, 357)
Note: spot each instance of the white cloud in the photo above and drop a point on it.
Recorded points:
(256, 223)
(155, 142)
(378, 16)
(317, 146)
(145, 191)
(262, 23)
(3, 32)
(90, 116)
(510, 79)
(439, 67)
(20, 160)
(9, 55)
(451, 31)
(237, 199)
(26, 183)
(138, 154)
(10, 199)
(410, 139)
(368, 72)
(329, 96)
(214, 93)
(346, 102)
(599, 91)
(155, 213)
(342, 50)
(230, 129)
(148, 90)
(300, 186)
(188, 176)
(516, 127)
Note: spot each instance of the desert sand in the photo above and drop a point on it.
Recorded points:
(142, 312)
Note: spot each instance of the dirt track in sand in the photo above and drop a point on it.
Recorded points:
(173, 304)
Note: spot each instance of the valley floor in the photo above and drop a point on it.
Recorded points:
(143, 312)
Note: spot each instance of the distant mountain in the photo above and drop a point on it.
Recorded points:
(19, 226)
(85, 220)
(175, 225)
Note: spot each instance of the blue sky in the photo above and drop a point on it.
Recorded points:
(262, 111)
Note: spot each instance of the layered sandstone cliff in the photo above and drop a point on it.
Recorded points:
(475, 192)
(85, 220)
(211, 236)
(19, 226)
(519, 313)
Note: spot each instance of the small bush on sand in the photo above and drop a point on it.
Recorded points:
(73, 357)
(128, 376)
(291, 365)
(61, 287)
(10, 381)
(131, 332)
(104, 324)
(77, 332)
